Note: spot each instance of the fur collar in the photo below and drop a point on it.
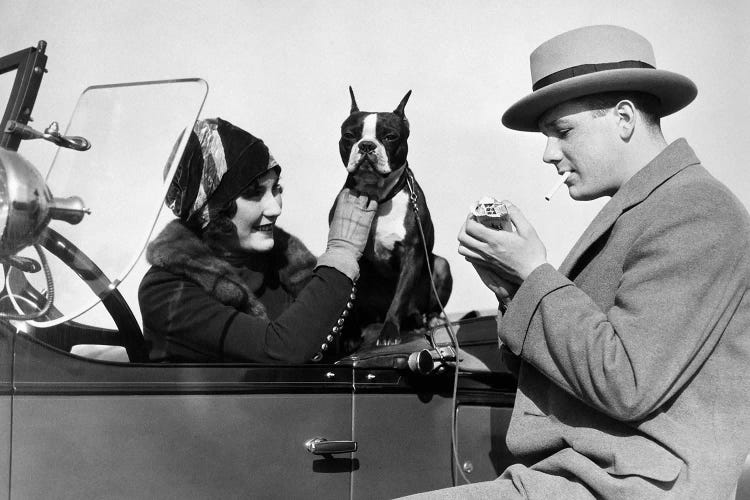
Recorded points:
(180, 251)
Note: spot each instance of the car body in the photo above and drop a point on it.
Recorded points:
(85, 428)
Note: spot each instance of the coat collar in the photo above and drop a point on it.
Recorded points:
(671, 160)
(180, 251)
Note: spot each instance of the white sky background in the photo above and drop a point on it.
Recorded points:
(280, 69)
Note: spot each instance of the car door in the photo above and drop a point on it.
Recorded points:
(403, 418)
(6, 359)
(83, 428)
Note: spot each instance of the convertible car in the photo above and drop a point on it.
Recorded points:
(84, 414)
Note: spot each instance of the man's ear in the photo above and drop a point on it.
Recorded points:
(625, 112)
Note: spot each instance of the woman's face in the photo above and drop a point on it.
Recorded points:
(258, 207)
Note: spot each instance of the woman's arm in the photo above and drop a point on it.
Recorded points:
(184, 313)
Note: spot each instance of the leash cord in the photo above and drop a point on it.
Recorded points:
(451, 333)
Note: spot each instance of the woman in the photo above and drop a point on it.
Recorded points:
(227, 284)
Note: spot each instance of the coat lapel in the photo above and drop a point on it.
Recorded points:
(674, 158)
(601, 223)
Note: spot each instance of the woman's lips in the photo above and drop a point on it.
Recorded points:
(266, 228)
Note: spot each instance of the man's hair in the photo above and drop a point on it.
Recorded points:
(646, 104)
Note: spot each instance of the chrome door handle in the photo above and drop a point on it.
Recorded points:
(322, 446)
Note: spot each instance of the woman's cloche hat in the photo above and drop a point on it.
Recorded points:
(219, 162)
(592, 60)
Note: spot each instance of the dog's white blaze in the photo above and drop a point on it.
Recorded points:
(388, 226)
(368, 128)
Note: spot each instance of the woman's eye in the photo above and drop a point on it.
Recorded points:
(278, 189)
(251, 193)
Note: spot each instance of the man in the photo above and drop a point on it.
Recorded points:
(634, 356)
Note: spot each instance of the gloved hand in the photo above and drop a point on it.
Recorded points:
(348, 232)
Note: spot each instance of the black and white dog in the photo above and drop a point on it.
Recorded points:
(394, 284)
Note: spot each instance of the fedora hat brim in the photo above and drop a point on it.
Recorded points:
(673, 90)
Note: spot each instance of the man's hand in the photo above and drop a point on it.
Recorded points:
(511, 255)
(503, 289)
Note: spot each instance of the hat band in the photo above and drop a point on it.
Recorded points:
(585, 69)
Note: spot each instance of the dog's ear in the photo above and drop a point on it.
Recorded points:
(400, 108)
(355, 108)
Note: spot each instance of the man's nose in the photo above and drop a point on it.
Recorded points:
(366, 146)
(552, 152)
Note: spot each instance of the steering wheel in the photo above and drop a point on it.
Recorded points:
(70, 333)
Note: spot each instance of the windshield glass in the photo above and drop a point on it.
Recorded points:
(137, 135)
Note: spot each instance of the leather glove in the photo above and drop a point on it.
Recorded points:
(348, 232)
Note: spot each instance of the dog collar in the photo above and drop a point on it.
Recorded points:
(400, 183)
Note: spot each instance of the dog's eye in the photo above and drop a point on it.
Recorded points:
(391, 137)
(349, 136)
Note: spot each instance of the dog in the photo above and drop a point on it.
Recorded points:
(394, 284)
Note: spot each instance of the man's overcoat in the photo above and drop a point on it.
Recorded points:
(635, 379)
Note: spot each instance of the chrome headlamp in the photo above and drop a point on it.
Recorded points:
(26, 204)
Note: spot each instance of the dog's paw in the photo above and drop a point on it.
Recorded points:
(389, 334)
(433, 321)
(370, 335)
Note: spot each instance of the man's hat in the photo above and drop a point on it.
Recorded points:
(592, 60)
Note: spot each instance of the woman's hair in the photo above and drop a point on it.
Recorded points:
(220, 234)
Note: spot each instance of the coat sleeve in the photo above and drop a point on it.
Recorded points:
(186, 315)
(681, 281)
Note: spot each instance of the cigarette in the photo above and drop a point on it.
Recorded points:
(557, 186)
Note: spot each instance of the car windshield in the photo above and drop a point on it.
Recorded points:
(137, 135)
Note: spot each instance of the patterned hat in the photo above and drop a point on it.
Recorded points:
(219, 162)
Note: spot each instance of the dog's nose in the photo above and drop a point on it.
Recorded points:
(367, 147)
